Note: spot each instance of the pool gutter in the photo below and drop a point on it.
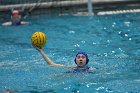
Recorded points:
(101, 5)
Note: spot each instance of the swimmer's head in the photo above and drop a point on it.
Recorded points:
(81, 59)
(15, 13)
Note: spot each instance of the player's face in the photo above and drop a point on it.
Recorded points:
(16, 18)
(81, 60)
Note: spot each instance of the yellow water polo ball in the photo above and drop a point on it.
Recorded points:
(39, 39)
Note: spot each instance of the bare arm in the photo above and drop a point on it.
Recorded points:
(7, 24)
(49, 61)
(10, 23)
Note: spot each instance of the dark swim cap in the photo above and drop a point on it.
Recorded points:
(85, 54)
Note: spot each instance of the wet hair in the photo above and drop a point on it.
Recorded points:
(84, 53)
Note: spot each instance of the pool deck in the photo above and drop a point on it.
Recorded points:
(99, 5)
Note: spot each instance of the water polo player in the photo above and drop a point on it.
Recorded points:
(81, 60)
(15, 19)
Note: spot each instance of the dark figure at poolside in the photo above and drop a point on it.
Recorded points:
(81, 61)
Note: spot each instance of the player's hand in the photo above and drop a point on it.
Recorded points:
(37, 48)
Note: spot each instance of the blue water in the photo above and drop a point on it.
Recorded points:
(112, 43)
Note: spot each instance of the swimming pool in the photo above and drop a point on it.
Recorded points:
(111, 41)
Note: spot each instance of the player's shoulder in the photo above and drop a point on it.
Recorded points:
(23, 22)
(92, 68)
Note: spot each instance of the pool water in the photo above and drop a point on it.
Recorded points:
(111, 41)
